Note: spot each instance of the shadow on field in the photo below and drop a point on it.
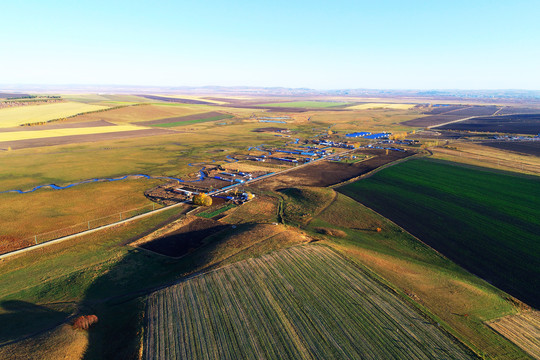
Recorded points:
(21, 319)
(118, 296)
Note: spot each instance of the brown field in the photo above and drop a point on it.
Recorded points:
(77, 139)
(432, 120)
(522, 329)
(262, 209)
(326, 173)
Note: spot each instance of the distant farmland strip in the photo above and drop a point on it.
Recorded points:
(186, 120)
(176, 100)
(40, 113)
(518, 124)
(300, 303)
(486, 222)
(306, 104)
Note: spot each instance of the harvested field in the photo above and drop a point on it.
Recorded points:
(180, 119)
(27, 135)
(369, 106)
(523, 147)
(522, 329)
(76, 139)
(270, 307)
(184, 239)
(58, 125)
(39, 113)
(517, 124)
(486, 222)
(326, 173)
(431, 120)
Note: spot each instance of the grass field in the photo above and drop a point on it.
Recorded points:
(275, 312)
(26, 135)
(486, 222)
(195, 121)
(31, 114)
(58, 209)
(306, 104)
(211, 214)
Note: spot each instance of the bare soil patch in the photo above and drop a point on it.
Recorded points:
(516, 124)
(326, 173)
(431, 120)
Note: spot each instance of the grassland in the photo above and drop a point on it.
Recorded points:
(307, 104)
(486, 222)
(195, 121)
(32, 114)
(59, 209)
(26, 135)
(211, 214)
(276, 312)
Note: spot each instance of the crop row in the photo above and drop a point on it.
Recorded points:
(301, 303)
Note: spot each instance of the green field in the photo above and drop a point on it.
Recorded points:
(300, 303)
(38, 113)
(191, 122)
(307, 104)
(211, 214)
(485, 221)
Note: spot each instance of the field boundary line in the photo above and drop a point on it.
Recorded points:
(86, 232)
(374, 171)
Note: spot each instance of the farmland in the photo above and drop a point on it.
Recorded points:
(306, 104)
(522, 329)
(524, 147)
(486, 222)
(40, 113)
(517, 124)
(46, 133)
(368, 106)
(187, 321)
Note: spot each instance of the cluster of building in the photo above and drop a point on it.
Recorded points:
(368, 135)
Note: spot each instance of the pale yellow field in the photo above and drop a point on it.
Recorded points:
(381, 106)
(30, 114)
(25, 135)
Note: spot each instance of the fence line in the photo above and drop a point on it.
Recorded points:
(90, 224)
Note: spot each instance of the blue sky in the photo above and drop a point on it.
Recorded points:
(473, 44)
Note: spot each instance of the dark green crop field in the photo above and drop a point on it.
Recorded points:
(488, 222)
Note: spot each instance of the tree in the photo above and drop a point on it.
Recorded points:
(202, 199)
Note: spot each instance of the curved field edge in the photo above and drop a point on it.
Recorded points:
(302, 302)
(482, 220)
(455, 298)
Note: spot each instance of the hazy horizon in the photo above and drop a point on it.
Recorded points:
(487, 45)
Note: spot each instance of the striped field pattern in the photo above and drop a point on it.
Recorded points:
(300, 303)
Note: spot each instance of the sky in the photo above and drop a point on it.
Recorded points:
(383, 44)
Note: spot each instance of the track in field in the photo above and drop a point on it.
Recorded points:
(300, 303)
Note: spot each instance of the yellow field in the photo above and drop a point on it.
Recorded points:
(381, 106)
(144, 113)
(30, 114)
(40, 134)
